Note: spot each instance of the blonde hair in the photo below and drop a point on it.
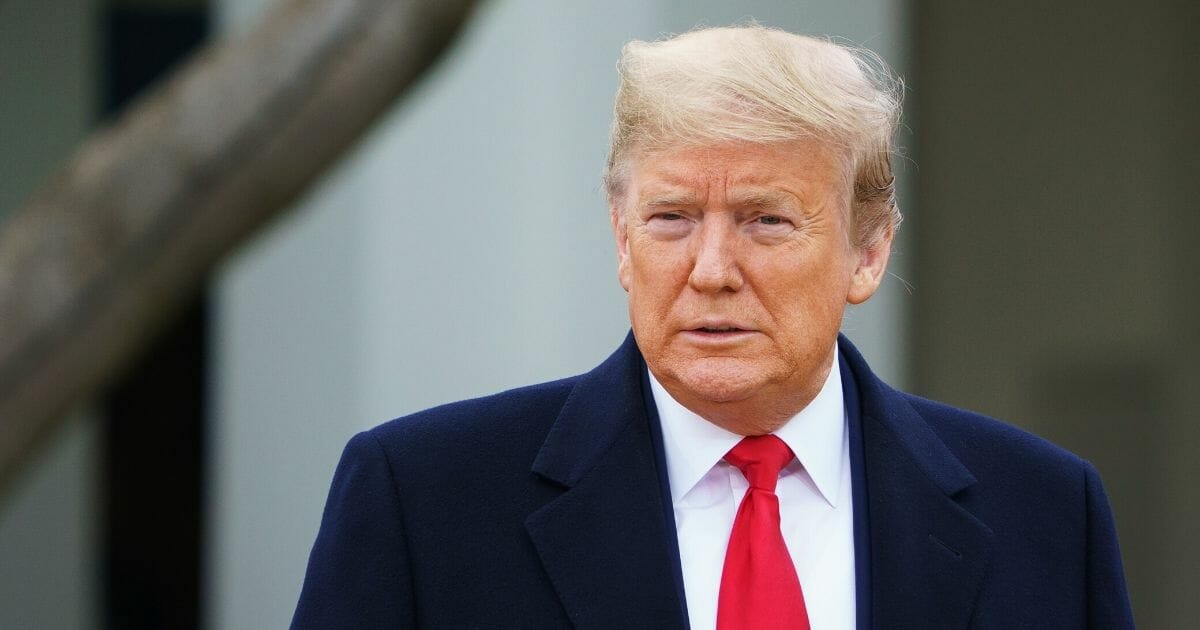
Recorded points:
(762, 85)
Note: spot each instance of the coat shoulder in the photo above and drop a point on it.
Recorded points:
(510, 424)
(967, 431)
(982, 441)
(1048, 510)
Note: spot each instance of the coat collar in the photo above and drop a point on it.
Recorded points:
(604, 542)
(928, 554)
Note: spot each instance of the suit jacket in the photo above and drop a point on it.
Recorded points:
(543, 507)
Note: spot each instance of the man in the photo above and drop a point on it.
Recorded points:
(735, 464)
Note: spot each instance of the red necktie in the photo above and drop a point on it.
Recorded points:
(759, 587)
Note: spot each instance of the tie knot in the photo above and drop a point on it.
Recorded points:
(760, 458)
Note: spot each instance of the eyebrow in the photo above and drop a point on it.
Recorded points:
(671, 199)
(766, 201)
(748, 199)
(763, 199)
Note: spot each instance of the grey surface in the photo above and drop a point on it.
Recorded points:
(47, 89)
(49, 530)
(1056, 246)
(48, 516)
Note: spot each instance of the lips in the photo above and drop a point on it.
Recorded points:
(715, 326)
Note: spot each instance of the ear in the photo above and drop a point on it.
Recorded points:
(621, 236)
(872, 264)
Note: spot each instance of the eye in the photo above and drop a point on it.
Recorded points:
(770, 228)
(667, 225)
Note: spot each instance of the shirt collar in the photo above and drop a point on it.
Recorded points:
(816, 434)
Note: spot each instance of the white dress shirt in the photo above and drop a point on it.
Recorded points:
(816, 510)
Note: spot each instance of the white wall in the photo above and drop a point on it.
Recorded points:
(461, 250)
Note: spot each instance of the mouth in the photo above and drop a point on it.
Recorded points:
(718, 335)
(718, 332)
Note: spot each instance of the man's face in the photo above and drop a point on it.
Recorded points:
(738, 266)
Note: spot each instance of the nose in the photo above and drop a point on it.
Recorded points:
(715, 265)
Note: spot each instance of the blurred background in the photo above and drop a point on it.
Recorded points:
(462, 247)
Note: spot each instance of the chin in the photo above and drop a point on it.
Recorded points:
(720, 380)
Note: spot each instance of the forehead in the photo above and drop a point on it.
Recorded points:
(803, 169)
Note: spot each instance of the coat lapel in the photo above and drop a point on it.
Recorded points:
(928, 554)
(604, 542)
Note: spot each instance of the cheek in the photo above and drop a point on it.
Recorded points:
(653, 286)
(651, 267)
(812, 299)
